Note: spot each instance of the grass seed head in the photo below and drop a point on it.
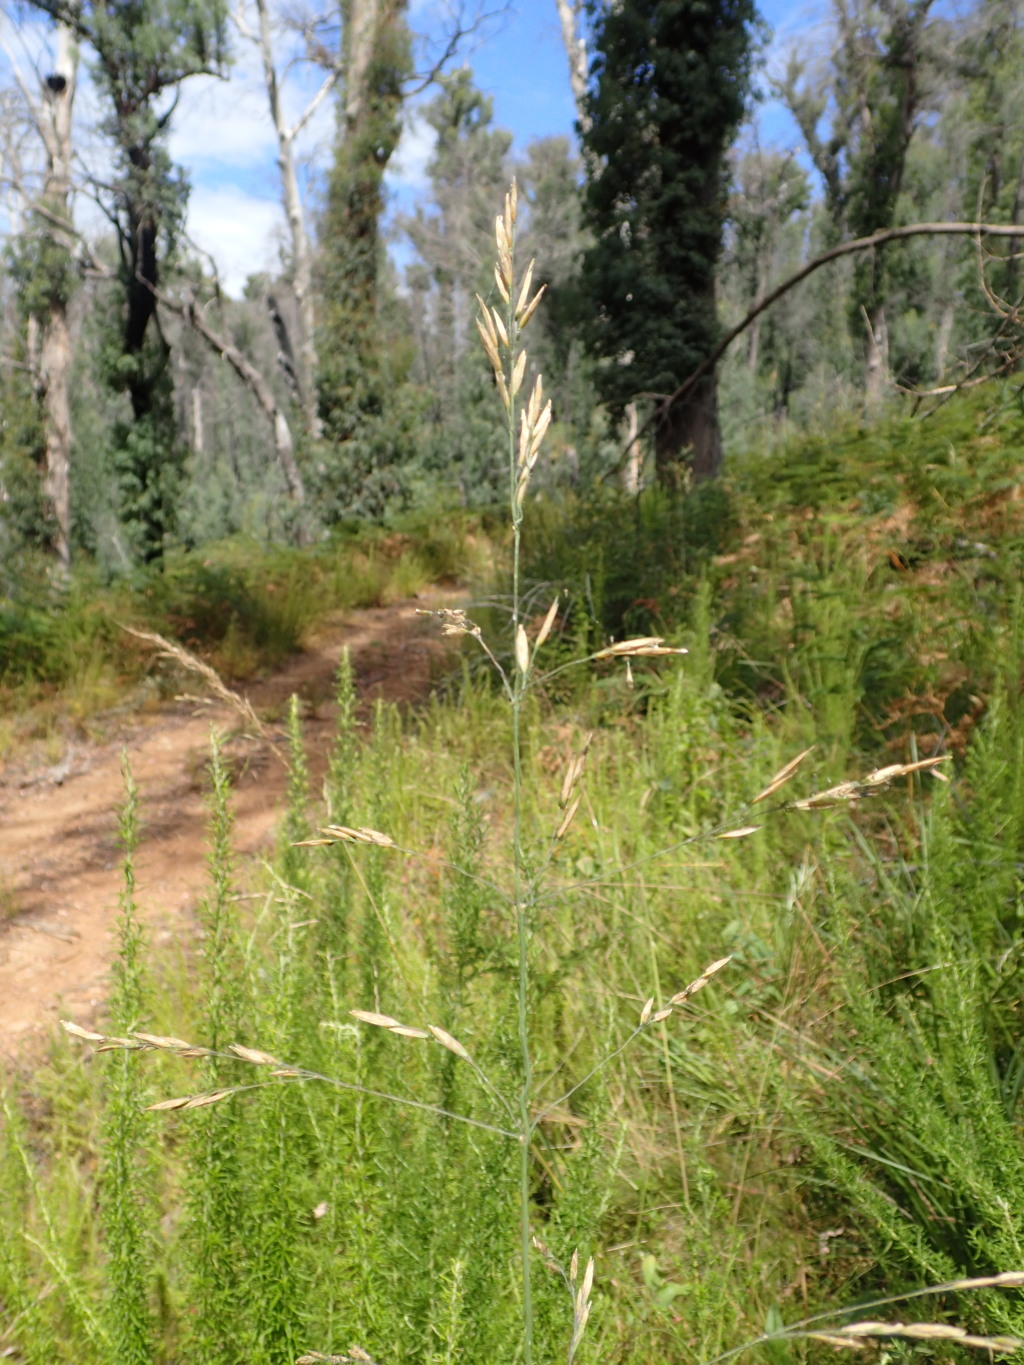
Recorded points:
(644, 646)
(251, 1054)
(490, 345)
(522, 649)
(567, 818)
(545, 630)
(524, 291)
(372, 1017)
(781, 777)
(700, 982)
(446, 1040)
(518, 371)
(532, 307)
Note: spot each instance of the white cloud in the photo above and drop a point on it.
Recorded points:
(408, 167)
(240, 231)
(226, 123)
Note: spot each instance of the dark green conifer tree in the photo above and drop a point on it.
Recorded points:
(669, 84)
(357, 382)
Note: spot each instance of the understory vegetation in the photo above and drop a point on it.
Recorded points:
(835, 1117)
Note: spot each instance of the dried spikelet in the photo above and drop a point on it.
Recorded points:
(568, 818)
(883, 776)
(536, 398)
(499, 326)
(77, 1031)
(518, 371)
(446, 1040)
(454, 621)
(386, 1021)
(251, 1054)
(356, 1356)
(701, 981)
(500, 235)
(169, 650)
(378, 1020)
(211, 1097)
(545, 629)
(531, 307)
(361, 835)
(645, 1013)
(540, 430)
(490, 346)
(525, 432)
(286, 1073)
(574, 1266)
(575, 770)
(1006, 1279)
(121, 1045)
(588, 1279)
(499, 379)
(659, 1015)
(522, 649)
(581, 1308)
(781, 777)
(925, 1331)
(739, 833)
(845, 791)
(522, 486)
(524, 292)
(642, 647)
(486, 322)
(499, 281)
(870, 785)
(194, 1101)
(163, 1044)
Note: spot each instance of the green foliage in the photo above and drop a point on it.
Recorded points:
(366, 417)
(124, 1179)
(24, 526)
(147, 452)
(242, 607)
(838, 1112)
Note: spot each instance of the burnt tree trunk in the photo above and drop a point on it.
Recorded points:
(687, 436)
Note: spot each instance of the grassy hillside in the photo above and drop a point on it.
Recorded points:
(834, 1117)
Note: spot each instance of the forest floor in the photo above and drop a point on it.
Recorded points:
(60, 857)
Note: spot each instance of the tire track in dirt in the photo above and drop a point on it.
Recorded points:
(59, 854)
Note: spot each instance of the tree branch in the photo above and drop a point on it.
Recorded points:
(833, 254)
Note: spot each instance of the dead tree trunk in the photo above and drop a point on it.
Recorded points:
(687, 436)
(291, 198)
(52, 110)
(570, 17)
(256, 383)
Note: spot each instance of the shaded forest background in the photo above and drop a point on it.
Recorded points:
(145, 412)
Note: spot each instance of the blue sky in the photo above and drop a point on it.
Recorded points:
(222, 133)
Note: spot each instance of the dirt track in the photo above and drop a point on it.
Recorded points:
(59, 855)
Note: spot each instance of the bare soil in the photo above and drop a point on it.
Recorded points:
(60, 874)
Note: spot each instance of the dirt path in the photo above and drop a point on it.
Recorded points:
(59, 855)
